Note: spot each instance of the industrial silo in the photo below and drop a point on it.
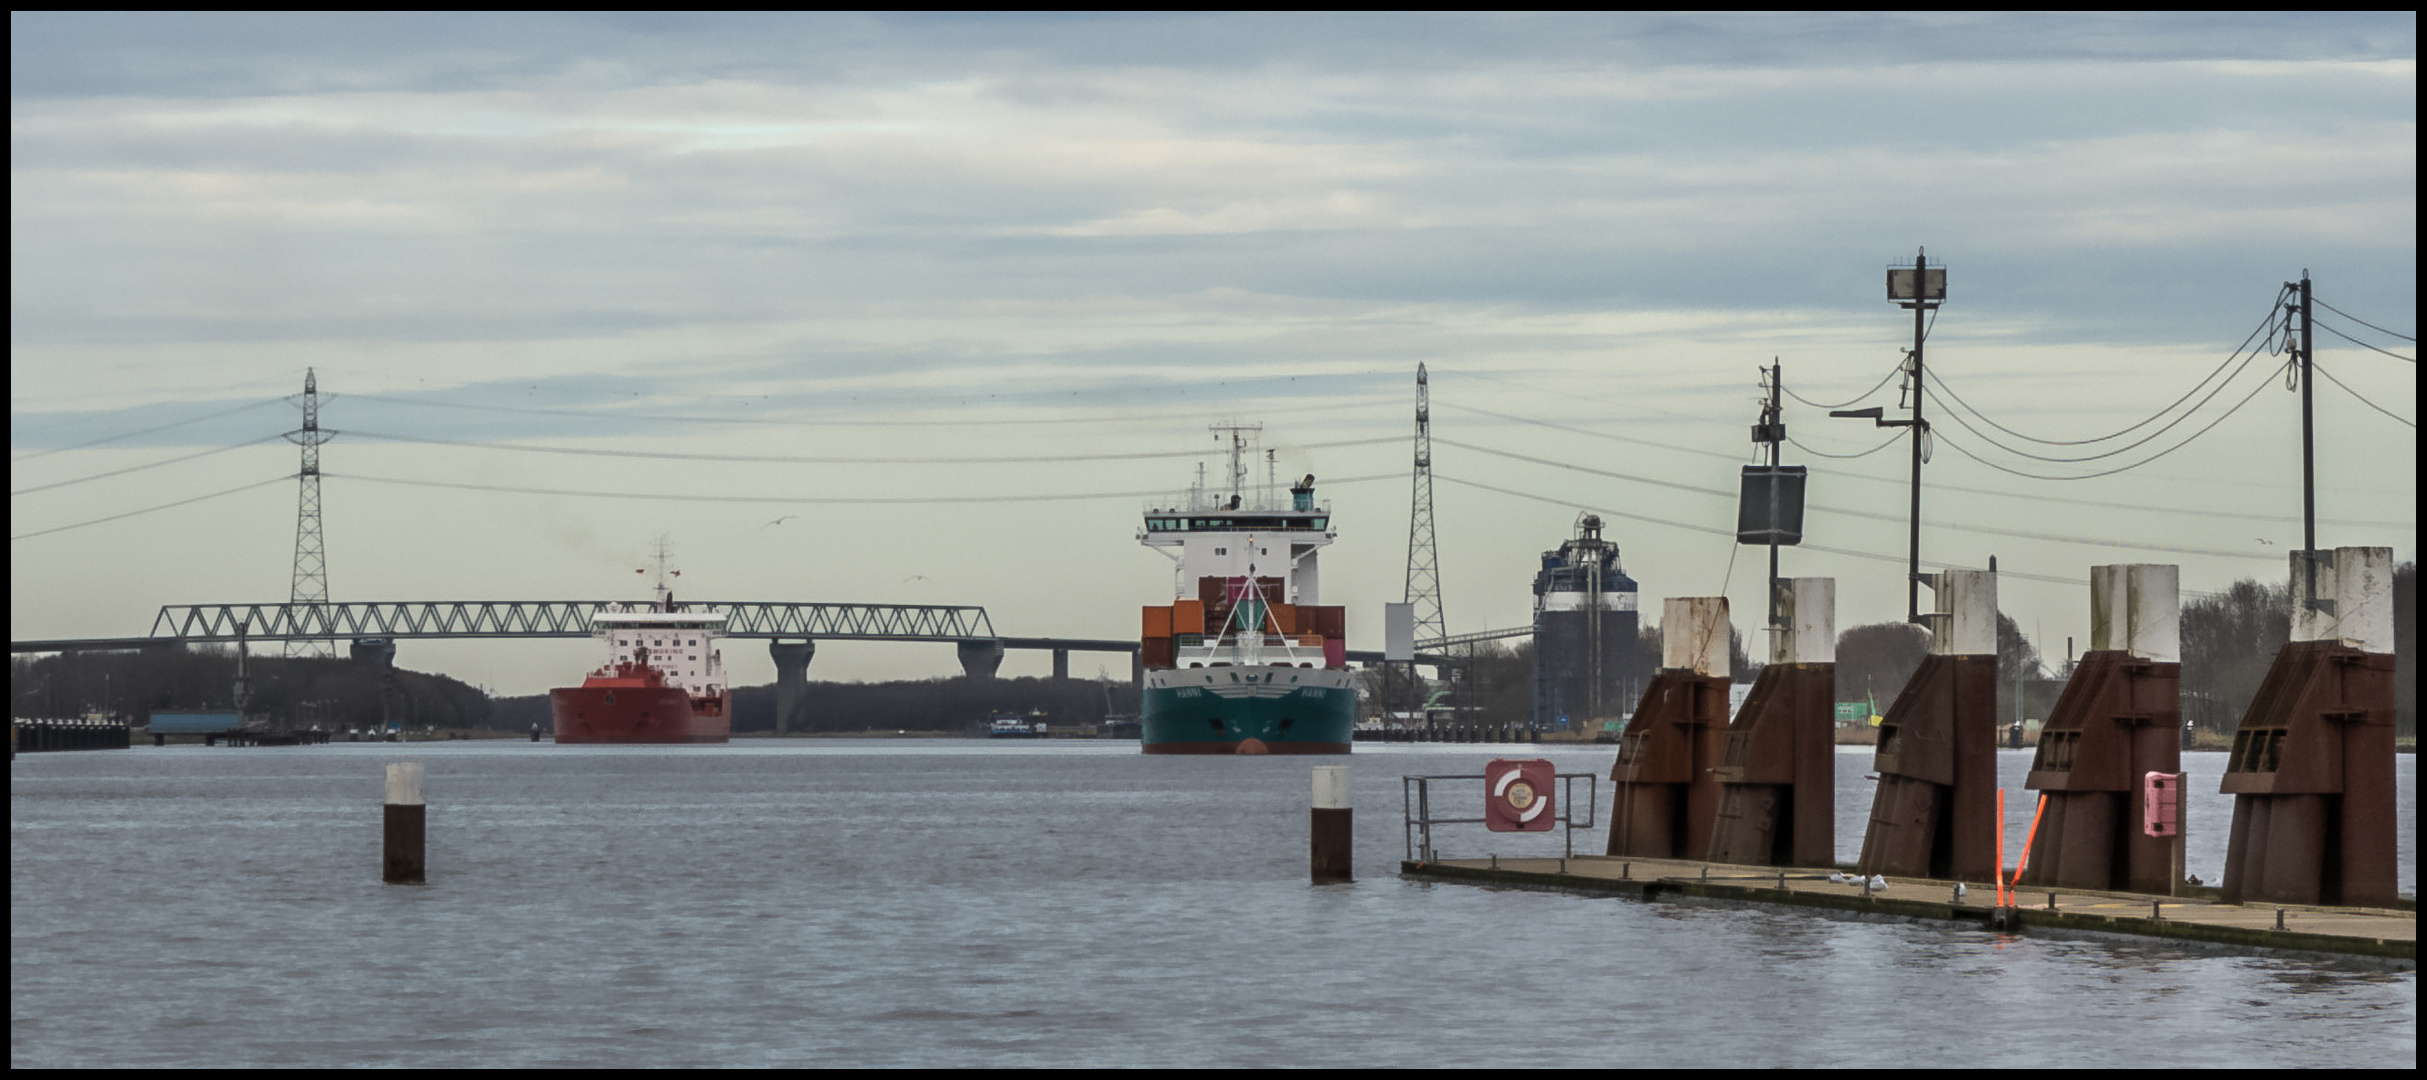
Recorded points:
(1585, 666)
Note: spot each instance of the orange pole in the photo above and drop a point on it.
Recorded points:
(2030, 839)
(2001, 847)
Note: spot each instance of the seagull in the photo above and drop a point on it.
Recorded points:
(780, 520)
(1960, 891)
(1878, 882)
(1837, 878)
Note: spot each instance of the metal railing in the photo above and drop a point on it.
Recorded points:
(1416, 818)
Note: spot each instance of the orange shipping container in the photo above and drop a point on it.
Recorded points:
(1285, 618)
(1155, 652)
(1155, 622)
(1188, 617)
(1330, 621)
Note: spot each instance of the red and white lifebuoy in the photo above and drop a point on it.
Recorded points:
(1518, 795)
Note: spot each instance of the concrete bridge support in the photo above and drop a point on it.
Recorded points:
(378, 653)
(981, 656)
(791, 681)
(1061, 665)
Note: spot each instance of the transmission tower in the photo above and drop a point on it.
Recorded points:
(1423, 565)
(311, 556)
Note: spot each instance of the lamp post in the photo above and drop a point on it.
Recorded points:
(1921, 288)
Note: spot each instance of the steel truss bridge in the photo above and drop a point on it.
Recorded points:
(220, 623)
(966, 626)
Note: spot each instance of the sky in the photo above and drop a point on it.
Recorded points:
(986, 281)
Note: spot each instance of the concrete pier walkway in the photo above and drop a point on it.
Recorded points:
(2378, 933)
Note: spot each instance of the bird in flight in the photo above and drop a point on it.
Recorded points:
(780, 520)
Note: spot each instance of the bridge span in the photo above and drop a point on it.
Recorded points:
(792, 630)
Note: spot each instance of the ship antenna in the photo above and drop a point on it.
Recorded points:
(665, 596)
(1238, 448)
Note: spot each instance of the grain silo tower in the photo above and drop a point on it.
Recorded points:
(1584, 633)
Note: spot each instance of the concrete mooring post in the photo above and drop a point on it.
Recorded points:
(1778, 773)
(402, 854)
(1332, 834)
(2312, 767)
(1665, 793)
(1935, 813)
(2118, 720)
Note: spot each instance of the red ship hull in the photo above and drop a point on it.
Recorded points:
(636, 714)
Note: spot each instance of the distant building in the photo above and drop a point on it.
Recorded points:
(1587, 663)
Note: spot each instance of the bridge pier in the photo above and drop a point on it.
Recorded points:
(1061, 665)
(378, 652)
(791, 680)
(981, 656)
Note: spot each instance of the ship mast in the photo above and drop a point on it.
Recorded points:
(1238, 433)
(665, 596)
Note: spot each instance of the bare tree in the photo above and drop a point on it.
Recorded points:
(2229, 639)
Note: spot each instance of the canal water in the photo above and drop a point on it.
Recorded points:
(961, 903)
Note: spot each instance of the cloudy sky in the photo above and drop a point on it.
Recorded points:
(984, 281)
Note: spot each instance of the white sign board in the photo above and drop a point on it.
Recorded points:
(1398, 632)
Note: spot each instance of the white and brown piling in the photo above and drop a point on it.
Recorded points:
(1333, 834)
(401, 855)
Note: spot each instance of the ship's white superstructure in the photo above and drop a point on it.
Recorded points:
(681, 645)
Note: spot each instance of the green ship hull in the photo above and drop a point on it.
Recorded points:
(1202, 720)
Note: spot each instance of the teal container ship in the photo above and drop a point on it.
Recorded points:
(1245, 659)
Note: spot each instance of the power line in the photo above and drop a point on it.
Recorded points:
(2264, 324)
(2237, 407)
(146, 431)
(791, 459)
(1595, 434)
(2142, 441)
(149, 509)
(1865, 514)
(805, 500)
(1673, 524)
(2363, 322)
(1883, 381)
(1900, 481)
(666, 418)
(2314, 366)
(1892, 440)
(140, 468)
(2361, 344)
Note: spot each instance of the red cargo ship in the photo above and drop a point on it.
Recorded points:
(664, 681)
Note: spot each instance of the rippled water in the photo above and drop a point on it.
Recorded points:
(958, 903)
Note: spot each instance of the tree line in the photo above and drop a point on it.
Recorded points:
(333, 693)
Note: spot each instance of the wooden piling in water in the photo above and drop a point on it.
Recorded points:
(406, 817)
(1331, 835)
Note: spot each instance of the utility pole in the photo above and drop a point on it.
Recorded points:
(1922, 290)
(1920, 428)
(1771, 431)
(2308, 353)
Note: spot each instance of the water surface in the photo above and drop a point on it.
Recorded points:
(960, 903)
